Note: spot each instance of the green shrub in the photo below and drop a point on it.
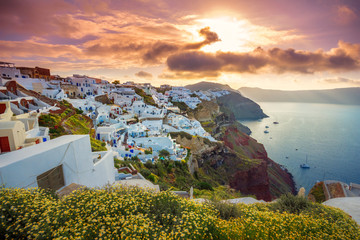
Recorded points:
(164, 153)
(96, 145)
(204, 186)
(291, 204)
(78, 111)
(153, 178)
(145, 172)
(149, 164)
(226, 210)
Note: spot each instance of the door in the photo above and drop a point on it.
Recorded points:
(52, 179)
(4, 144)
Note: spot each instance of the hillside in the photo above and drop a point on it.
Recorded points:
(243, 108)
(237, 160)
(132, 213)
(204, 86)
(350, 96)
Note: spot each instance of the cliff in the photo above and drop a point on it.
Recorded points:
(243, 108)
(204, 86)
(237, 159)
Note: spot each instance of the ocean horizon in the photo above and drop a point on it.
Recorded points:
(327, 135)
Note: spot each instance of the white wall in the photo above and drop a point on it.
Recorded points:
(20, 168)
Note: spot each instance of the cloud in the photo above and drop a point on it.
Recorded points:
(163, 49)
(345, 15)
(143, 74)
(340, 80)
(158, 50)
(345, 57)
(210, 37)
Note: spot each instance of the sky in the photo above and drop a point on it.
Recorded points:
(272, 44)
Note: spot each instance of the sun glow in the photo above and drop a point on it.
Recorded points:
(239, 35)
(234, 34)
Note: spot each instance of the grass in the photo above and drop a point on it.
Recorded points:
(75, 124)
(133, 213)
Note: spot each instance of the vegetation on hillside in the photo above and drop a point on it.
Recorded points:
(133, 213)
(70, 122)
(181, 105)
(147, 98)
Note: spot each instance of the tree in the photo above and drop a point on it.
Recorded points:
(116, 82)
(164, 153)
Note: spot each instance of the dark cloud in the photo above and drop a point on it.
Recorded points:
(344, 58)
(341, 80)
(163, 49)
(194, 61)
(143, 74)
(158, 50)
(190, 75)
(210, 37)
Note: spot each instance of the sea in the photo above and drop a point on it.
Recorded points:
(326, 136)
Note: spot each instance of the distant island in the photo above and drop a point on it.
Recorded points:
(348, 96)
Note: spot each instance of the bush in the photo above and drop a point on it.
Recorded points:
(149, 164)
(153, 178)
(120, 212)
(148, 151)
(145, 172)
(204, 186)
(291, 204)
(108, 213)
(226, 210)
(78, 111)
(164, 153)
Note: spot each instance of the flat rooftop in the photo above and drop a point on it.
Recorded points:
(18, 155)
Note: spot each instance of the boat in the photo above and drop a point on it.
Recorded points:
(266, 131)
(275, 122)
(305, 165)
(266, 126)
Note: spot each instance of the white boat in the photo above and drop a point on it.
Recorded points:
(305, 165)
(266, 131)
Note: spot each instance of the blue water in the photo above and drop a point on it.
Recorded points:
(329, 135)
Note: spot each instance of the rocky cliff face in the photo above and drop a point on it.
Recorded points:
(241, 107)
(237, 159)
(267, 179)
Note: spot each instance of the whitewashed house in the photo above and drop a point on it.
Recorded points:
(8, 70)
(137, 130)
(56, 164)
(85, 84)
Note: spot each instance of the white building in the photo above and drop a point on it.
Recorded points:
(85, 84)
(105, 133)
(42, 87)
(8, 70)
(137, 130)
(56, 164)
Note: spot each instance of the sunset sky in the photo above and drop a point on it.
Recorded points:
(277, 44)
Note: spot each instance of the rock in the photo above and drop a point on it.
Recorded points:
(301, 192)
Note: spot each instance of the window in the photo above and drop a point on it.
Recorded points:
(52, 179)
